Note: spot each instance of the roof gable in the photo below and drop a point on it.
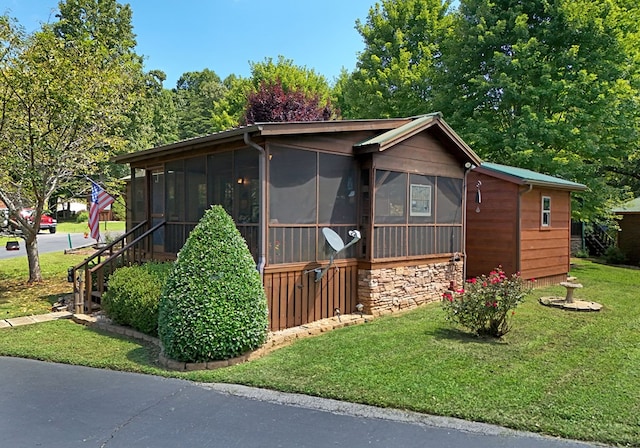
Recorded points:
(418, 124)
(523, 176)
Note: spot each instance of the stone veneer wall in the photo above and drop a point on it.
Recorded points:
(391, 289)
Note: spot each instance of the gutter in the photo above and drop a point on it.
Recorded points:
(262, 226)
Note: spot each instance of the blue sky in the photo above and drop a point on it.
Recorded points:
(224, 35)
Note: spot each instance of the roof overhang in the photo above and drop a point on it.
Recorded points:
(262, 130)
(520, 176)
(417, 125)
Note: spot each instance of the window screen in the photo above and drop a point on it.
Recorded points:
(337, 191)
(421, 199)
(292, 186)
(220, 180)
(247, 185)
(175, 190)
(449, 202)
(391, 197)
(196, 172)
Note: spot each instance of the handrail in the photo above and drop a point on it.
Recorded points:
(99, 268)
(83, 301)
(128, 246)
(108, 247)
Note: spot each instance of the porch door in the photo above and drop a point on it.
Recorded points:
(156, 193)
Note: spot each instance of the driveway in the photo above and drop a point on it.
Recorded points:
(55, 405)
(47, 242)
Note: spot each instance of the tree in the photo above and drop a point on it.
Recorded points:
(394, 76)
(195, 95)
(61, 97)
(272, 104)
(546, 85)
(229, 111)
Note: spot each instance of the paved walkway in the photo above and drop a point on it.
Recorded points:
(26, 320)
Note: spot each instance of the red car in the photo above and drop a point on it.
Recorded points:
(46, 220)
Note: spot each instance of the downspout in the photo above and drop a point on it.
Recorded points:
(262, 226)
(519, 227)
(467, 167)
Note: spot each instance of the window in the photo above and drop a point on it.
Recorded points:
(391, 197)
(292, 186)
(420, 200)
(546, 211)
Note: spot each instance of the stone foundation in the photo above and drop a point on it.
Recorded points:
(387, 290)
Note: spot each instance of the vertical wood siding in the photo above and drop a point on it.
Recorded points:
(492, 238)
(294, 298)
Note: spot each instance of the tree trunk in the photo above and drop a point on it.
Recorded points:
(31, 244)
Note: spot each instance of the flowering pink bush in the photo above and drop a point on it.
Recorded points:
(487, 303)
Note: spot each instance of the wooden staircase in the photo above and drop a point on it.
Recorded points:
(91, 275)
(598, 241)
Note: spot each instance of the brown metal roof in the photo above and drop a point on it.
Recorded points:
(265, 129)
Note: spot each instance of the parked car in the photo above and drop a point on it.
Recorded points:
(47, 221)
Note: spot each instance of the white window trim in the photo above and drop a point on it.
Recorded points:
(545, 212)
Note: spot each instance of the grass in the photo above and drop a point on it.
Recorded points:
(81, 227)
(19, 298)
(568, 374)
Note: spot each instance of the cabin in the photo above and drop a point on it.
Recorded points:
(520, 220)
(391, 193)
(629, 233)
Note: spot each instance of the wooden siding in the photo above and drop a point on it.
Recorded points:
(629, 237)
(545, 251)
(492, 238)
(421, 154)
(294, 298)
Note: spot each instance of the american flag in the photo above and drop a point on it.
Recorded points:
(100, 199)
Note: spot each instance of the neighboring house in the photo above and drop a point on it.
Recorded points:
(520, 220)
(399, 182)
(629, 234)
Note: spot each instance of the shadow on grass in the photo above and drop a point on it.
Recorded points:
(463, 336)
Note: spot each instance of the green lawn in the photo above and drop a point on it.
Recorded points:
(574, 375)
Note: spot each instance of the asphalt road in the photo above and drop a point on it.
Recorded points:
(48, 242)
(62, 406)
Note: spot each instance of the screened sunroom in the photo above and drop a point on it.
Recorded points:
(398, 182)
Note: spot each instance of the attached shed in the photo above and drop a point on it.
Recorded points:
(629, 234)
(398, 182)
(520, 220)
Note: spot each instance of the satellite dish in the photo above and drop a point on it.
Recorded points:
(333, 239)
(335, 242)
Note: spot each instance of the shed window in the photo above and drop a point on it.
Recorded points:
(546, 211)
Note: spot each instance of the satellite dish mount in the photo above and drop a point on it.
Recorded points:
(336, 245)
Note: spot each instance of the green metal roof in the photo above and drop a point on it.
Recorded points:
(417, 124)
(632, 206)
(525, 176)
(400, 132)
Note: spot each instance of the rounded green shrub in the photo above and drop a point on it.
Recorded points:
(133, 295)
(213, 306)
(82, 216)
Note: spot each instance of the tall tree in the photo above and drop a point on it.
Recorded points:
(60, 99)
(195, 96)
(546, 85)
(394, 74)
